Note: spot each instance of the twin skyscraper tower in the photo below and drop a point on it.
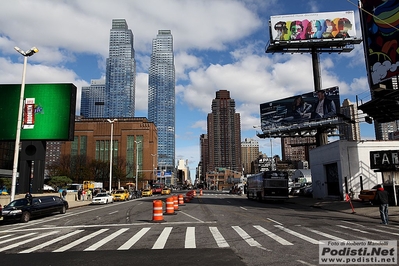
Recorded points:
(115, 96)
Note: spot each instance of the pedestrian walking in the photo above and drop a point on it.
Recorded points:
(79, 194)
(382, 199)
(28, 196)
(83, 194)
(88, 194)
(64, 193)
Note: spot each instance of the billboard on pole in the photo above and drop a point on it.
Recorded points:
(312, 27)
(380, 23)
(48, 112)
(315, 107)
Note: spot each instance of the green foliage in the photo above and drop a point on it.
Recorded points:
(59, 181)
(5, 182)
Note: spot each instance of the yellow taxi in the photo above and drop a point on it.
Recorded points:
(165, 191)
(120, 195)
(146, 192)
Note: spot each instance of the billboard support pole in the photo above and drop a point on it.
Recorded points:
(321, 135)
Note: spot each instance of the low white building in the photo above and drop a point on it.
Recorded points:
(342, 166)
(302, 176)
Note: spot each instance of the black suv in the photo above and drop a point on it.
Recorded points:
(24, 209)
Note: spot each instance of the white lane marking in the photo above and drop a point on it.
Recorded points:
(106, 239)
(274, 221)
(354, 229)
(385, 231)
(192, 217)
(252, 242)
(310, 240)
(305, 263)
(324, 234)
(161, 241)
(113, 212)
(273, 236)
(5, 236)
(80, 241)
(134, 239)
(190, 238)
(27, 241)
(45, 244)
(243, 208)
(220, 241)
(15, 238)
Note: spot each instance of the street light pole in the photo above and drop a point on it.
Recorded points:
(271, 154)
(153, 166)
(137, 162)
(26, 54)
(110, 152)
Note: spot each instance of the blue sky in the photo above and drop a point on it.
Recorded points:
(218, 44)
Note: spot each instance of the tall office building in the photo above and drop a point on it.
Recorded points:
(161, 97)
(121, 72)
(224, 134)
(249, 154)
(349, 131)
(204, 157)
(93, 99)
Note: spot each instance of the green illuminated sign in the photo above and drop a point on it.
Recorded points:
(48, 113)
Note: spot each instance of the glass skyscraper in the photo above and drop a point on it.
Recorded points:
(161, 97)
(120, 73)
(93, 99)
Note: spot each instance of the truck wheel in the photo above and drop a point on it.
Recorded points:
(25, 217)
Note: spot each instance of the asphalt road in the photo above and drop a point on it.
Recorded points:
(213, 229)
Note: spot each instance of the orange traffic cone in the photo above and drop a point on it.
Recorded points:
(170, 209)
(157, 215)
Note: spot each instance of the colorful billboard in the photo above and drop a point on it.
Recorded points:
(309, 107)
(312, 26)
(48, 111)
(380, 23)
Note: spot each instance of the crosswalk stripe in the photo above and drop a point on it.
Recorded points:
(324, 234)
(105, 240)
(310, 240)
(27, 241)
(134, 239)
(51, 242)
(5, 236)
(80, 240)
(252, 242)
(161, 241)
(15, 238)
(220, 241)
(190, 238)
(281, 240)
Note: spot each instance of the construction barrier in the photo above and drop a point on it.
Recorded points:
(195, 193)
(181, 199)
(201, 192)
(187, 199)
(170, 208)
(157, 215)
(175, 203)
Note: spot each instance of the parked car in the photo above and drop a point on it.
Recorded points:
(102, 198)
(121, 195)
(165, 191)
(25, 209)
(146, 192)
(368, 194)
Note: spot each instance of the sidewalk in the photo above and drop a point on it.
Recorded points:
(360, 208)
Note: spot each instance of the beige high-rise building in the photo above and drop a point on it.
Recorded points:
(249, 154)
